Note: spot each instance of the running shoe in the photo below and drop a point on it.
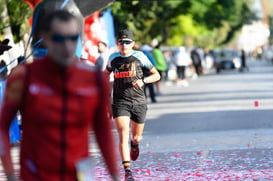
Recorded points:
(134, 153)
(128, 176)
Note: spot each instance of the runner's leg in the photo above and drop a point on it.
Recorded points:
(123, 127)
(137, 131)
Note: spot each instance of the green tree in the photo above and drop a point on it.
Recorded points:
(183, 22)
(18, 13)
(147, 19)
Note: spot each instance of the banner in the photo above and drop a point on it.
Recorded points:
(107, 23)
(97, 27)
(32, 3)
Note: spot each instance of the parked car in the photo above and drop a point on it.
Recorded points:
(227, 59)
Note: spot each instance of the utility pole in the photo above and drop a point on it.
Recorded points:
(265, 12)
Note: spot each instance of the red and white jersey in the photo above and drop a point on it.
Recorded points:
(59, 106)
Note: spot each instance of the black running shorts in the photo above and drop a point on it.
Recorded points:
(137, 112)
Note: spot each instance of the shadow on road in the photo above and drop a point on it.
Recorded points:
(209, 121)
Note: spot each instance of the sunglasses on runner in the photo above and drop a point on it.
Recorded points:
(122, 42)
(57, 38)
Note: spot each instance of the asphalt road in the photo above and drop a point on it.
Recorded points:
(213, 109)
(218, 128)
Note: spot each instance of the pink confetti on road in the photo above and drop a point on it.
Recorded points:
(250, 175)
(239, 165)
(256, 103)
(218, 165)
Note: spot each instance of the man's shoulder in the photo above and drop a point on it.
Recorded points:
(86, 65)
(114, 55)
(138, 54)
(38, 62)
(19, 70)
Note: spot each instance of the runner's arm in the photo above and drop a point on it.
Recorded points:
(153, 77)
(146, 63)
(103, 131)
(11, 102)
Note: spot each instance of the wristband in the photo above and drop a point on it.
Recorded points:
(144, 80)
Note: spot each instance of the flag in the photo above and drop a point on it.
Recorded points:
(32, 3)
(98, 27)
(107, 23)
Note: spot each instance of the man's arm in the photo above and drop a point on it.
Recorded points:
(99, 62)
(153, 77)
(146, 63)
(103, 130)
(9, 107)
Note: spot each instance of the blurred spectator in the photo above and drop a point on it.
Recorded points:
(14, 130)
(209, 60)
(182, 60)
(4, 46)
(160, 65)
(3, 70)
(269, 53)
(168, 54)
(150, 86)
(104, 55)
(259, 52)
(243, 61)
(197, 61)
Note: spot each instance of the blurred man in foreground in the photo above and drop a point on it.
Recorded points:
(60, 100)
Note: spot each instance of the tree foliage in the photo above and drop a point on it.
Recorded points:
(147, 19)
(172, 22)
(183, 22)
(18, 12)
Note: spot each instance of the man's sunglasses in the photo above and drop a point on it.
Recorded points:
(57, 38)
(122, 42)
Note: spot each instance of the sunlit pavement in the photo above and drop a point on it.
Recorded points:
(241, 164)
(218, 128)
(219, 165)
